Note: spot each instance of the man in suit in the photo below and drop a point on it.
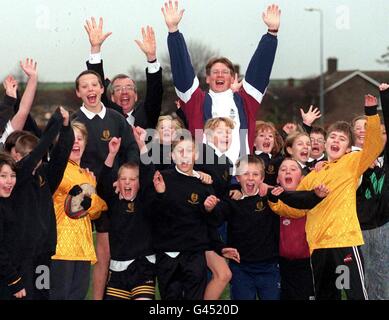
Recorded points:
(121, 93)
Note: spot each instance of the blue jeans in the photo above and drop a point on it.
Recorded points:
(255, 279)
(376, 259)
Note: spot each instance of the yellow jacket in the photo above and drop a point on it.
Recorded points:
(333, 223)
(74, 236)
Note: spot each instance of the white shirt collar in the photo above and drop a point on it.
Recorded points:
(195, 173)
(228, 93)
(258, 152)
(355, 148)
(130, 118)
(217, 151)
(247, 196)
(90, 115)
(301, 164)
(318, 159)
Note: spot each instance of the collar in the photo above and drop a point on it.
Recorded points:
(355, 148)
(130, 118)
(90, 115)
(195, 173)
(301, 164)
(247, 196)
(258, 152)
(317, 160)
(217, 151)
(225, 94)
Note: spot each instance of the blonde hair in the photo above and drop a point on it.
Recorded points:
(290, 139)
(80, 127)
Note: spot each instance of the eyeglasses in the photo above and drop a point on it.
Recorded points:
(320, 141)
(129, 87)
(222, 72)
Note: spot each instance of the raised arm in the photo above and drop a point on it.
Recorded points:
(259, 69)
(30, 69)
(61, 152)
(10, 99)
(184, 77)
(96, 34)
(154, 91)
(373, 142)
(384, 95)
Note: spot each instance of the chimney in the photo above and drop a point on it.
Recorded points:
(290, 82)
(332, 65)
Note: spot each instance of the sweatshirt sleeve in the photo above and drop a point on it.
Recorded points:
(284, 210)
(297, 199)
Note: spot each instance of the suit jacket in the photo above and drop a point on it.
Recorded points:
(146, 113)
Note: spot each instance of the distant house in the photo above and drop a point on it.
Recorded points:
(345, 90)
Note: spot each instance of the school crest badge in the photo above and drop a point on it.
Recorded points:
(225, 175)
(194, 198)
(131, 207)
(106, 136)
(270, 169)
(259, 206)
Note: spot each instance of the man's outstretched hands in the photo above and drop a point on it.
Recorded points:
(271, 17)
(148, 44)
(96, 34)
(172, 15)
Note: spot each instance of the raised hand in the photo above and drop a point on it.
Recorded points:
(140, 137)
(231, 253)
(370, 101)
(65, 116)
(236, 84)
(210, 203)
(30, 68)
(383, 86)
(96, 34)
(10, 86)
(20, 294)
(114, 145)
(271, 17)
(148, 44)
(321, 191)
(289, 127)
(159, 183)
(311, 115)
(172, 15)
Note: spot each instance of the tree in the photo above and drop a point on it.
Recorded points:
(200, 53)
(384, 59)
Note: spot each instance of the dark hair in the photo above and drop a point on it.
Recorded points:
(12, 138)
(344, 127)
(222, 60)
(318, 130)
(251, 159)
(117, 77)
(86, 72)
(6, 159)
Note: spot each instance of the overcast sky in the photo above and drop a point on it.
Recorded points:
(356, 32)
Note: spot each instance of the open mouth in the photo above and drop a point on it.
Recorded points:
(124, 100)
(288, 180)
(304, 154)
(250, 188)
(315, 149)
(335, 148)
(219, 82)
(92, 98)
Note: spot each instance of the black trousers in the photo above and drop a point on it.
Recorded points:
(69, 280)
(183, 277)
(296, 279)
(337, 269)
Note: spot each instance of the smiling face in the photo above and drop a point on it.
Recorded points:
(289, 175)
(128, 182)
(264, 141)
(166, 130)
(124, 93)
(78, 146)
(222, 137)
(317, 145)
(7, 180)
(219, 78)
(184, 156)
(360, 132)
(301, 148)
(89, 90)
(337, 144)
(250, 176)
